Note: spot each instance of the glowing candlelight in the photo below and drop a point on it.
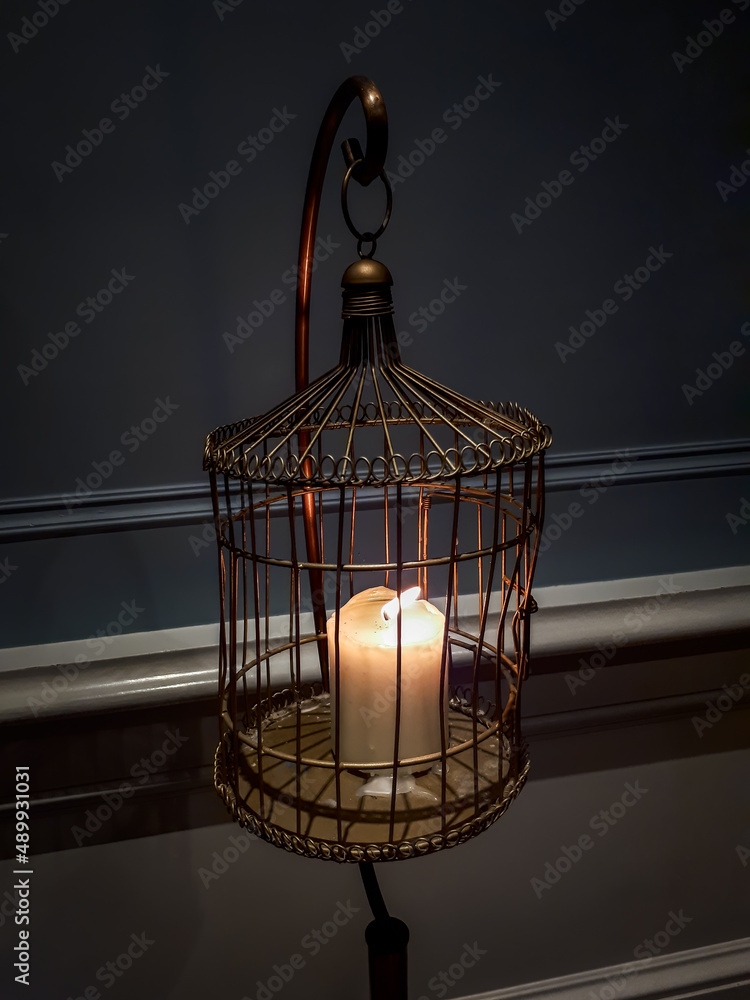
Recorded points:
(391, 609)
(367, 680)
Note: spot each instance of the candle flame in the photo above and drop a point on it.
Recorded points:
(390, 610)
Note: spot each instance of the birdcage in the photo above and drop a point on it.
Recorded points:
(377, 536)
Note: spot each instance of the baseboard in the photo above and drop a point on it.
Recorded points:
(718, 970)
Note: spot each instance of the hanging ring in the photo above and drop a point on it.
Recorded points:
(368, 236)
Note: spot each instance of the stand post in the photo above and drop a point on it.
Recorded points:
(387, 939)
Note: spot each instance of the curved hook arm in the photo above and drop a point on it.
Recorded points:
(370, 167)
(367, 171)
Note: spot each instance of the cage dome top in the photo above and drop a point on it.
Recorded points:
(372, 420)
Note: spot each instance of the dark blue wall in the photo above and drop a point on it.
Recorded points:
(224, 74)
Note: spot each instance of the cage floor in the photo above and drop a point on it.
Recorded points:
(308, 814)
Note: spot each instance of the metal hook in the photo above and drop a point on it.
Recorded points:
(371, 165)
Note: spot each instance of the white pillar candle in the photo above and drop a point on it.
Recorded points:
(368, 642)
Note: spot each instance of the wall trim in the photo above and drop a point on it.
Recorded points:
(712, 971)
(549, 637)
(152, 669)
(24, 519)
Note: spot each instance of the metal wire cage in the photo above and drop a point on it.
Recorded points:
(354, 726)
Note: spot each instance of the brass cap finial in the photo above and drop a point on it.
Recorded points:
(366, 272)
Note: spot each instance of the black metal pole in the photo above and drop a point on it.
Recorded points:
(387, 939)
